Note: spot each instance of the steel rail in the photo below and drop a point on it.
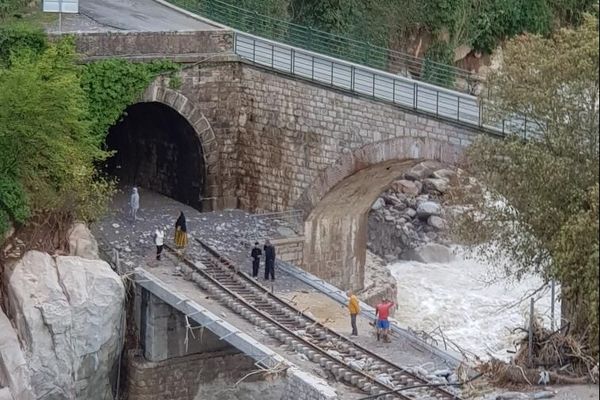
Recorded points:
(278, 324)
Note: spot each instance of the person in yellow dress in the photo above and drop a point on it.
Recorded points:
(354, 309)
(181, 231)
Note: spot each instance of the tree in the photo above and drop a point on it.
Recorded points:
(48, 153)
(540, 204)
(334, 16)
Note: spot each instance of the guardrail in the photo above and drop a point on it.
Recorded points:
(333, 45)
(404, 92)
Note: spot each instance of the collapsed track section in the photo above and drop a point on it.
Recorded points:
(344, 359)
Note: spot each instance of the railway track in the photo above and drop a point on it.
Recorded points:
(346, 360)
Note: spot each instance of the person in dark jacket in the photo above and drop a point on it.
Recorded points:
(255, 254)
(181, 231)
(269, 260)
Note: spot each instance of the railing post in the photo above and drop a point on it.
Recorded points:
(437, 102)
(254, 21)
(480, 112)
(352, 77)
(312, 74)
(373, 85)
(415, 95)
(525, 129)
(272, 55)
(332, 73)
(458, 110)
(394, 91)
(254, 50)
(292, 60)
(503, 133)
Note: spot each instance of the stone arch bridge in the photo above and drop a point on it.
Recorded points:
(237, 135)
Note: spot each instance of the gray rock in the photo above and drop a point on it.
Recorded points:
(436, 185)
(410, 212)
(67, 312)
(422, 170)
(428, 208)
(436, 222)
(379, 203)
(14, 372)
(430, 253)
(412, 188)
(448, 174)
(82, 243)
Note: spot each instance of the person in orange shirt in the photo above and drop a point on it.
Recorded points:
(354, 309)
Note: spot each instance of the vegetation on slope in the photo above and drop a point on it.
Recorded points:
(551, 184)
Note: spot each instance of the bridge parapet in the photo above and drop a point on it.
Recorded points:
(181, 46)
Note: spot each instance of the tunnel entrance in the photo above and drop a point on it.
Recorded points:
(157, 149)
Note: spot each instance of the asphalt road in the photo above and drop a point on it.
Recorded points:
(128, 15)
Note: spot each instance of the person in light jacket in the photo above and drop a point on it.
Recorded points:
(134, 203)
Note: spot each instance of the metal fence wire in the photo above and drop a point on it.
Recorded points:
(341, 47)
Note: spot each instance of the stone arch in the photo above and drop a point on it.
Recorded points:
(159, 92)
(338, 202)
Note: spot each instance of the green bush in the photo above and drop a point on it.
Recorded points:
(15, 37)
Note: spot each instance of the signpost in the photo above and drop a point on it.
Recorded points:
(61, 6)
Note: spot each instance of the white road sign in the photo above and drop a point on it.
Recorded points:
(65, 6)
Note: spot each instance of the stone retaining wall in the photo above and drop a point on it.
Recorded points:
(290, 250)
(180, 378)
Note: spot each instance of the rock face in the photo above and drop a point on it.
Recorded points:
(14, 373)
(67, 311)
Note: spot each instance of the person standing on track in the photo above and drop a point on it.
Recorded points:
(255, 254)
(134, 203)
(269, 260)
(354, 309)
(181, 231)
(382, 312)
(159, 240)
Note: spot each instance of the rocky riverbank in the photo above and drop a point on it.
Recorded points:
(409, 221)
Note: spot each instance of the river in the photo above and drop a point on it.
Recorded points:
(458, 298)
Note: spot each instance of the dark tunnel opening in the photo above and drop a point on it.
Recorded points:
(157, 149)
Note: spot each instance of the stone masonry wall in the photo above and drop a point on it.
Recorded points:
(290, 130)
(152, 44)
(290, 250)
(180, 378)
(217, 89)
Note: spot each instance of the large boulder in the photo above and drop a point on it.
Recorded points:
(429, 253)
(422, 170)
(67, 311)
(426, 209)
(412, 188)
(82, 243)
(436, 185)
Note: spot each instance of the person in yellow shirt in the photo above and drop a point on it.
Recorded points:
(354, 309)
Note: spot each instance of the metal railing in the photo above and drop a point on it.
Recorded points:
(404, 92)
(341, 47)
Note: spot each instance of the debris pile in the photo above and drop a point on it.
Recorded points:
(556, 357)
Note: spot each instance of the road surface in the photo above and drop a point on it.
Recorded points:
(127, 15)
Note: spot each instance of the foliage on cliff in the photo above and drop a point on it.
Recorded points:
(54, 116)
(550, 183)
